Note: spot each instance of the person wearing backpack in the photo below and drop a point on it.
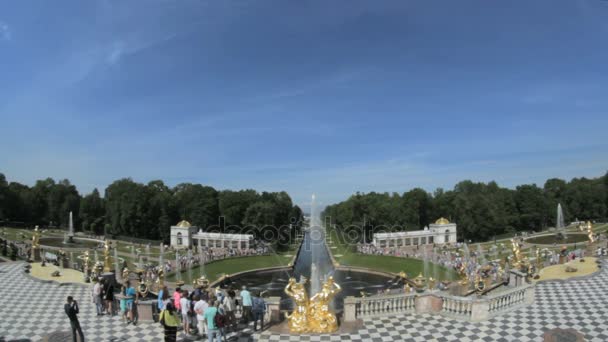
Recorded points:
(221, 320)
(213, 331)
(169, 319)
(258, 308)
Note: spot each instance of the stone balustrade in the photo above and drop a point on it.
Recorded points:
(382, 305)
(473, 309)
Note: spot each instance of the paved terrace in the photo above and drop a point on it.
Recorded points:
(32, 310)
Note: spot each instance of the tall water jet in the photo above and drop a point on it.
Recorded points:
(466, 258)
(481, 259)
(425, 263)
(201, 261)
(559, 222)
(161, 257)
(178, 275)
(116, 262)
(69, 235)
(435, 263)
(189, 264)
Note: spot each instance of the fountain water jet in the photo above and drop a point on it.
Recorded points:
(559, 222)
(69, 236)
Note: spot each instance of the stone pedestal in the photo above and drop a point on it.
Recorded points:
(428, 303)
(36, 254)
(274, 313)
(145, 310)
(350, 309)
(480, 311)
(516, 278)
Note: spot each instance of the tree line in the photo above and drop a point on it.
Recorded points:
(482, 211)
(145, 211)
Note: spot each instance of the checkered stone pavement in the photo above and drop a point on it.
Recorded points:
(579, 304)
(31, 310)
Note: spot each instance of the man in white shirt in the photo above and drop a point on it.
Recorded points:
(200, 308)
(97, 297)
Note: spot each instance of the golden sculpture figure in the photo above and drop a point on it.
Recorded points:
(320, 318)
(517, 260)
(590, 232)
(298, 320)
(462, 272)
(86, 263)
(125, 274)
(161, 278)
(107, 262)
(36, 238)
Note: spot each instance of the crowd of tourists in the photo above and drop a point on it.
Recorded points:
(215, 253)
(211, 313)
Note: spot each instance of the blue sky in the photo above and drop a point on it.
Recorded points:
(330, 97)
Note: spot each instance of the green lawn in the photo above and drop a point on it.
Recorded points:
(345, 256)
(230, 266)
(396, 264)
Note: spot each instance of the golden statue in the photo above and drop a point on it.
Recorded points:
(517, 260)
(320, 318)
(462, 271)
(312, 315)
(107, 263)
(36, 238)
(590, 232)
(161, 278)
(432, 283)
(202, 282)
(86, 262)
(407, 288)
(298, 320)
(125, 274)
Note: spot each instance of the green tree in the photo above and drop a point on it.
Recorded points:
(197, 203)
(92, 212)
(233, 204)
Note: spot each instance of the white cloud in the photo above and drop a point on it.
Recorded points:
(5, 32)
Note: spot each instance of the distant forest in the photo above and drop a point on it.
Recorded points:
(482, 211)
(139, 210)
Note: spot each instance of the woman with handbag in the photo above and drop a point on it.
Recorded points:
(169, 319)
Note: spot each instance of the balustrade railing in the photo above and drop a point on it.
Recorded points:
(384, 305)
(468, 308)
(508, 300)
(457, 306)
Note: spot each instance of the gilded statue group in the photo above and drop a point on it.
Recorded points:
(312, 315)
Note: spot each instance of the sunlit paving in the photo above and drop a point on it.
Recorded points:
(366, 171)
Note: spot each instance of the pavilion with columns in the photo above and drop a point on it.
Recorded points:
(440, 232)
(185, 235)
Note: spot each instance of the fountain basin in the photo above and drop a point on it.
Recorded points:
(74, 245)
(551, 239)
(273, 282)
